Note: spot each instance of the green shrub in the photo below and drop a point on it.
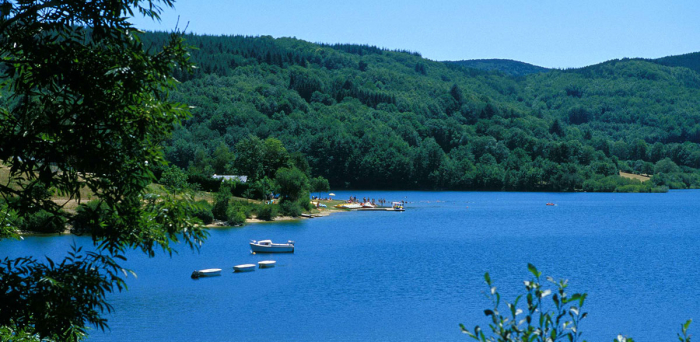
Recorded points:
(174, 178)
(202, 211)
(305, 203)
(88, 215)
(290, 208)
(235, 216)
(43, 222)
(244, 207)
(659, 189)
(267, 212)
(220, 208)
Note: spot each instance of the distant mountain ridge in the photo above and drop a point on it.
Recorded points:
(507, 66)
(517, 68)
(688, 60)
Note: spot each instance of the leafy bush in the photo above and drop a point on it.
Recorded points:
(267, 212)
(219, 209)
(235, 216)
(88, 215)
(659, 189)
(290, 208)
(305, 203)
(43, 222)
(244, 207)
(202, 211)
(174, 178)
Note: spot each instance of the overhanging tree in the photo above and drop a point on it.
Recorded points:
(88, 108)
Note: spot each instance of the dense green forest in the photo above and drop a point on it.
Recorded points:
(507, 66)
(370, 118)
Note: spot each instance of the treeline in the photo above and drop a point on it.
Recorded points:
(507, 66)
(365, 117)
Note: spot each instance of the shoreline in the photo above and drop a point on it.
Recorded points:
(320, 213)
(216, 224)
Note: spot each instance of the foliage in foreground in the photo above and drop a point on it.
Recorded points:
(550, 314)
(42, 297)
(84, 106)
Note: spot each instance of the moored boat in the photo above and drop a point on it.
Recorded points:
(266, 246)
(349, 206)
(210, 272)
(244, 268)
(267, 264)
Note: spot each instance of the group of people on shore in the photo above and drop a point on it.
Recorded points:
(363, 200)
(373, 201)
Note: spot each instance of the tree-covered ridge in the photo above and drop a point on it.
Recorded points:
(507, 66)
(371, 118)
(688, 60)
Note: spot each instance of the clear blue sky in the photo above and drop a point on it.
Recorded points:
(548, 33)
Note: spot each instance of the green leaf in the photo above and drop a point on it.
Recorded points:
(533, 270)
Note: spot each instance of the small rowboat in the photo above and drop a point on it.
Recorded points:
(267, 264)
(210, 272)
(244, 268)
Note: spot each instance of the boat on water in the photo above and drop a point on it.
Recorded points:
(551, 204)
(210, 272)
(267, 263)
(397, 206)
(266, 246)
(368, 205)
(349, 206)
(244, 268)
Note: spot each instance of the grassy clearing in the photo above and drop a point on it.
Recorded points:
(4, 173)
(86, 195)
(641, 178)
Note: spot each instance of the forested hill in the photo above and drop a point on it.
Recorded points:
(366, 117)
(689, 60)
(506, 66)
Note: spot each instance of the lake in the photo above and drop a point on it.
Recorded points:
(415, 275)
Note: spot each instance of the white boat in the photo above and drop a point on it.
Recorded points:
(267, 263)
(210, 272)
(266, 246)
(244, 268)
(349, 206)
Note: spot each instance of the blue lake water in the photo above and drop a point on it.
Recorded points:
(414, 276)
